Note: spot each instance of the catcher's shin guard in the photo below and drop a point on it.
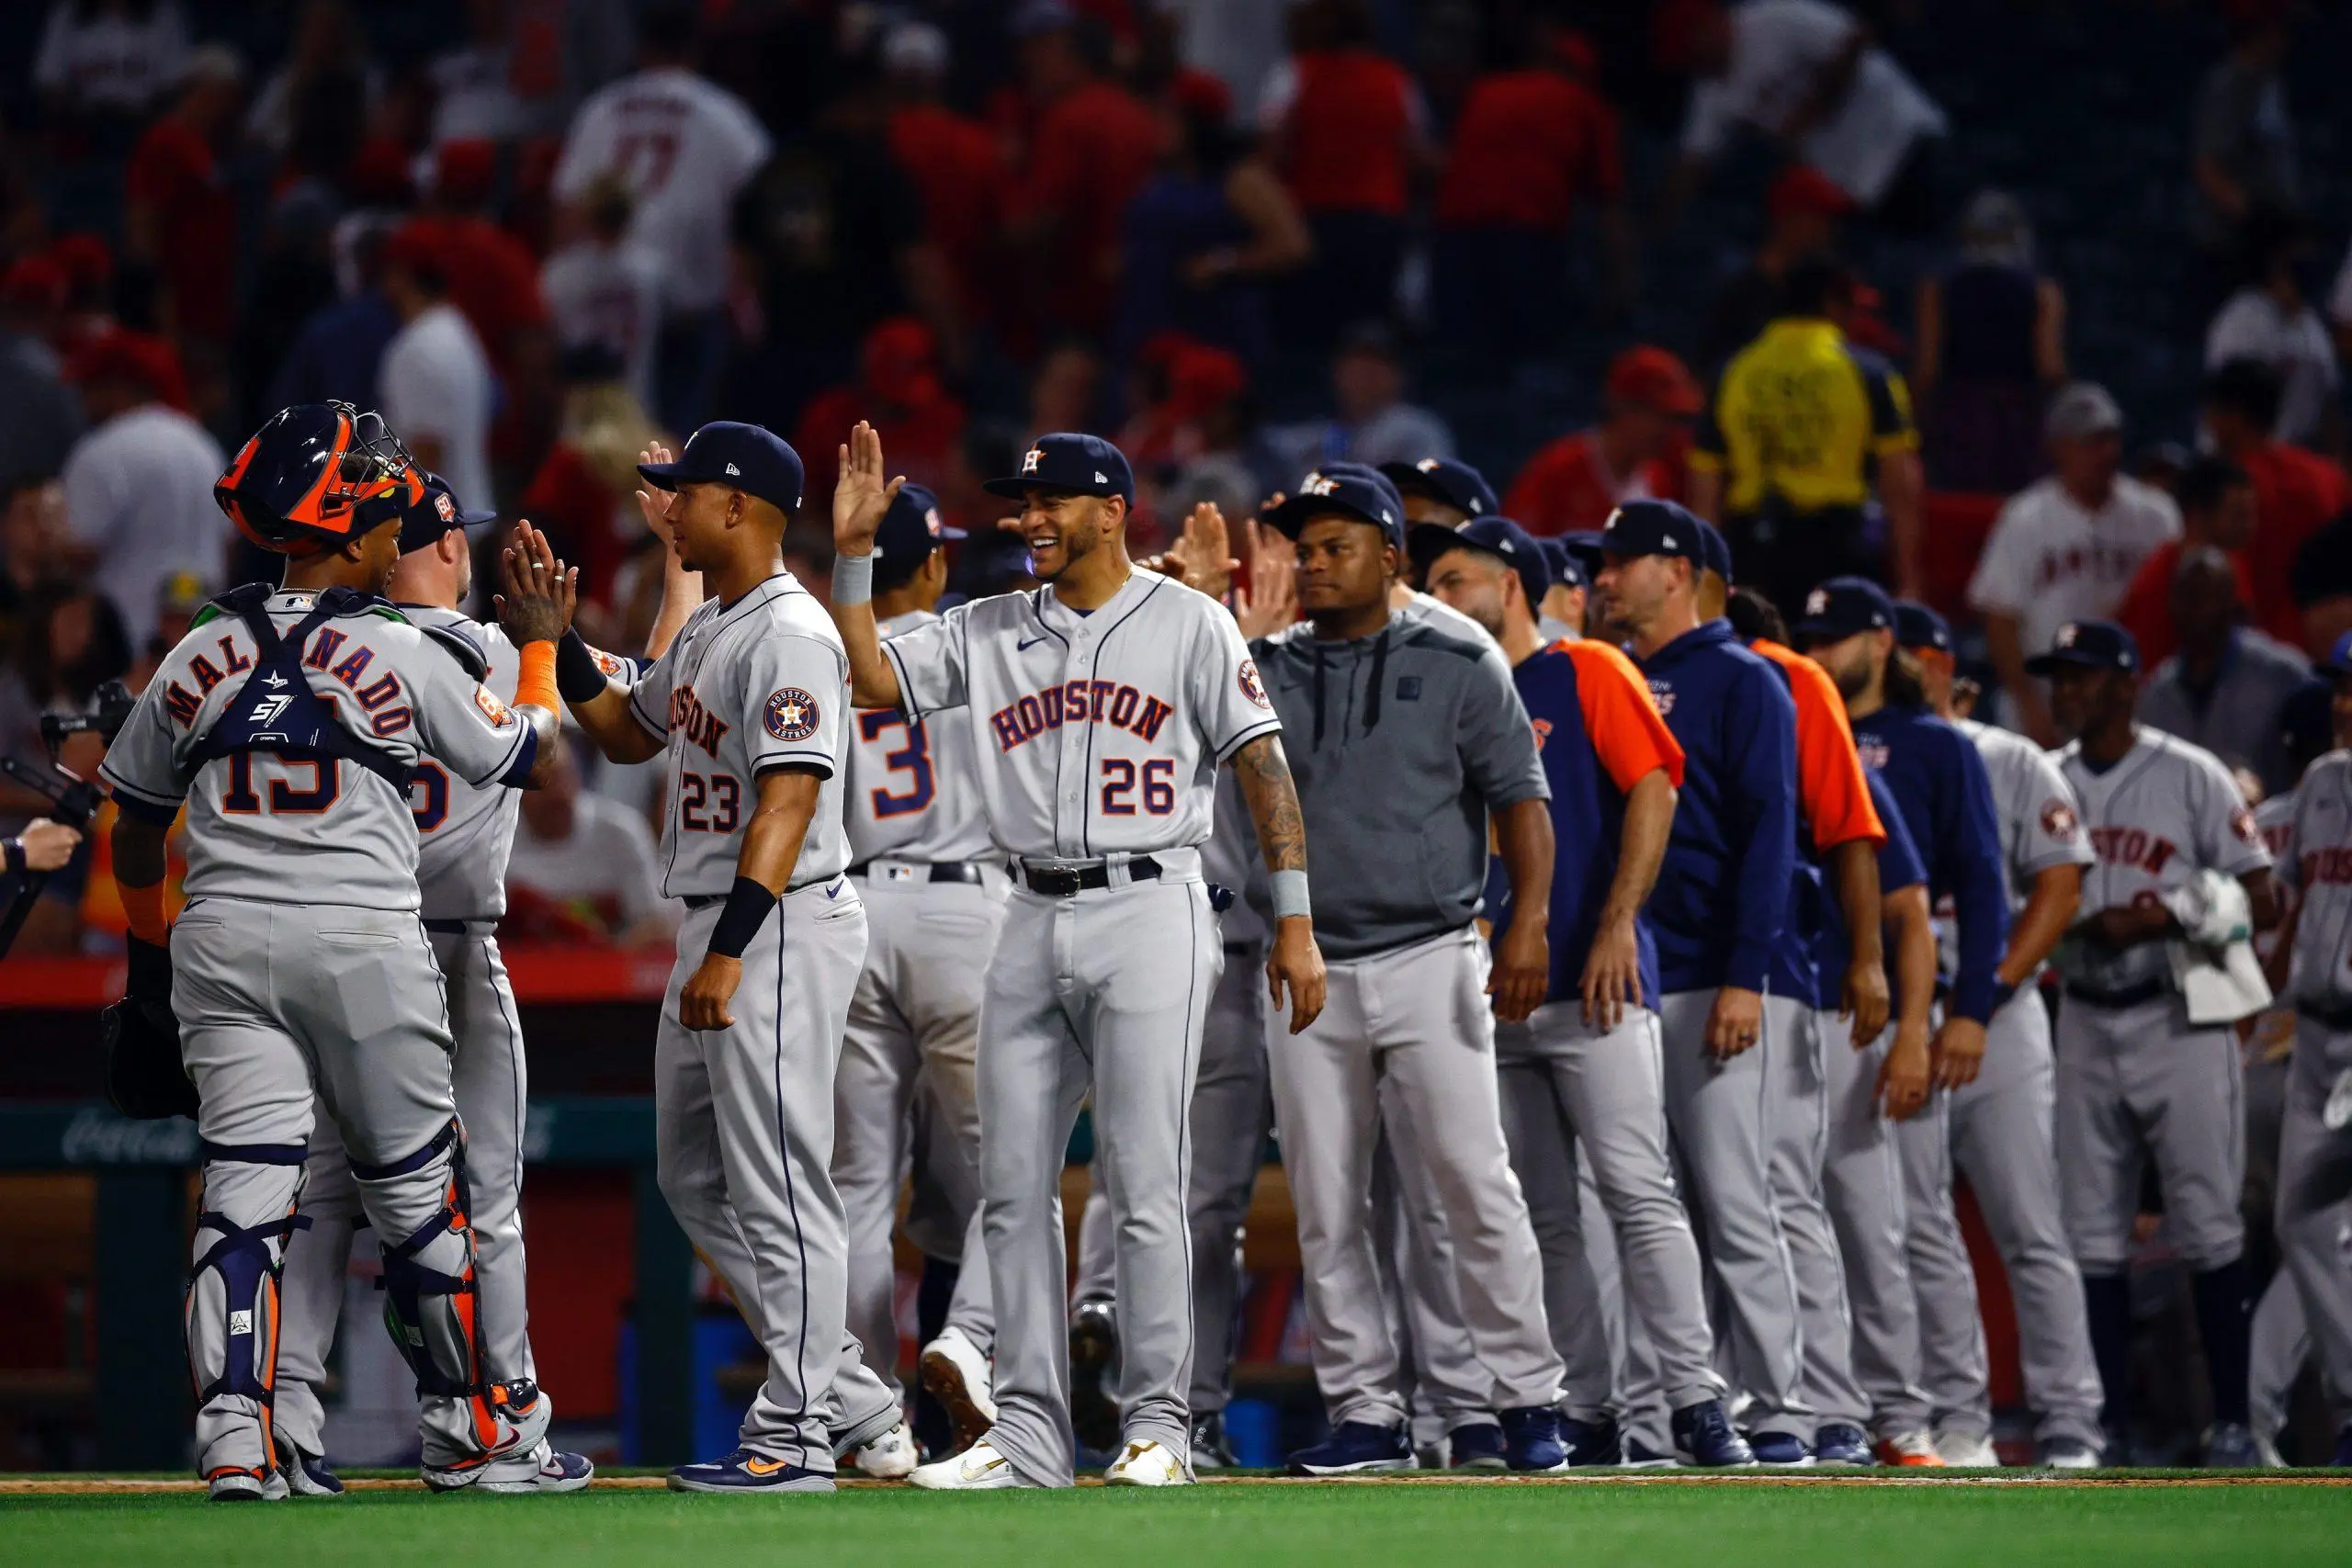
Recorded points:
(429, 1303)
(248, 1213)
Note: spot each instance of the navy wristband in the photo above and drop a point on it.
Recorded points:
(578, 677)
(749, 905)
(17, 863)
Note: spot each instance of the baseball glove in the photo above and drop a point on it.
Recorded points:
(145, 1079)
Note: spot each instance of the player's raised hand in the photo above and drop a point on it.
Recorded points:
(653, 504)
(862, 494)
(1270, 602)
(539, 593)
(1203, 556)
(703, 1002)
(1903, 1076)
(1296, 964)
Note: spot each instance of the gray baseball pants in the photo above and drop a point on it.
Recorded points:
(743, 1138)
(2000, 1137)
(1418, 1015)
(491, 1087)
(1445, 1385)
(914, 1018)
(1718, 1112)
(286, 1010)
(1800, 1117)
(2315, 1200)
(1575, 1097)
(1108, 991)
(1862, 1183)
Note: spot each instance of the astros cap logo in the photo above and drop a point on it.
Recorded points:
(2066, 635)
(1817, 601)
(1029, 460)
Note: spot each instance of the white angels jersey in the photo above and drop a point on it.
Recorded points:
(281, 830)
(912, 794)
(2164, 812)
(1096, 734)
(759, 684)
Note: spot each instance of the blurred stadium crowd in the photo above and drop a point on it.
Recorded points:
(1568, 242)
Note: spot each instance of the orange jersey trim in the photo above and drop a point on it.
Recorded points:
(1627, 732)
(1831, 790)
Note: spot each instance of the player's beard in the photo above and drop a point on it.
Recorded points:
(1076, 543)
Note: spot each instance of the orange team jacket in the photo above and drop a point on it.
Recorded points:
(1831, 790)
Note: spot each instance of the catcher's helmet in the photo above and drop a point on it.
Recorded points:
(316, 475)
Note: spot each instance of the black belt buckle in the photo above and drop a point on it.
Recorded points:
(1053, 882)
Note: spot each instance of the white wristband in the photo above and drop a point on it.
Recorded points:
(853, 579)
(1289, 895)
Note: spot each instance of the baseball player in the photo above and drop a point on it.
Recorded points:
(1102, 704)
(2001, 1124)
(1939, 781)
(1583, 1073)
(1838, 815)
(1721, 902)
(465, 834)
(1411, 740)
(289, 726)
(918, 843)
(750, 704)
(2136, 1079)
(1838, 889)
(2314, 1210)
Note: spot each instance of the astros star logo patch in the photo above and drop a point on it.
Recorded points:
(791, 714)
(2058, 821)
(1251, 687)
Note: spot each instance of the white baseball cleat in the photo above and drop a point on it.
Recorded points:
(1962, 1451)
(978, 1468)
(245, 1486)
(1146, 1463)
(959, 1376)
(545, 1470)
(2338, 1113)
(891, 1457)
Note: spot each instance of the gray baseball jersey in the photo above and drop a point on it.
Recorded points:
(1096, 734)
(465, 833)
(2164, 812)
(913, 793)
(2316, 862)
(759, 684)
(2040, 820)
(311, 833)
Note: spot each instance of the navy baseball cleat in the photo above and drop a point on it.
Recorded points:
(1839, 1443)
(746, 1470)
(1355, 1447)
(1476, 1445)
(1532, 1439)
(307, 1475)
(546, 1468)
(1703, 1438)
(1592, 1443)
(1779, 1448)
(2230, 1446)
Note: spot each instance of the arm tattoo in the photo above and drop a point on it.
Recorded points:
(1266, 784)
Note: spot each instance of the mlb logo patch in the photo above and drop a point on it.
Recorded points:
(791, 715)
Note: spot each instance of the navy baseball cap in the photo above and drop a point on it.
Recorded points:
(1449, 479)
(1497, 537)
(1350, 490)
(1915, 625)
(1656, 528)
(1585, 548)
(1715, 551)
(2339, 658)
(1074, 464)
(2089, 645)
(908, 532)
(1843, 606)
(1567, 572)
(436, 512)
(748, 458)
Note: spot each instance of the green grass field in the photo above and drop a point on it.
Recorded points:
(1241, 1526)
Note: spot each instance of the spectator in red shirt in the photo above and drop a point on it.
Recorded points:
(957, 167)
(2295, 491)
(1572, 485)
(1528, 145)
(2217, 504)
(1093, 147)
(181, 221)
(897, 391)
(494, 277)
(1345, 126)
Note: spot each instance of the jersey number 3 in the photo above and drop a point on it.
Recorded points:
(913, 759)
